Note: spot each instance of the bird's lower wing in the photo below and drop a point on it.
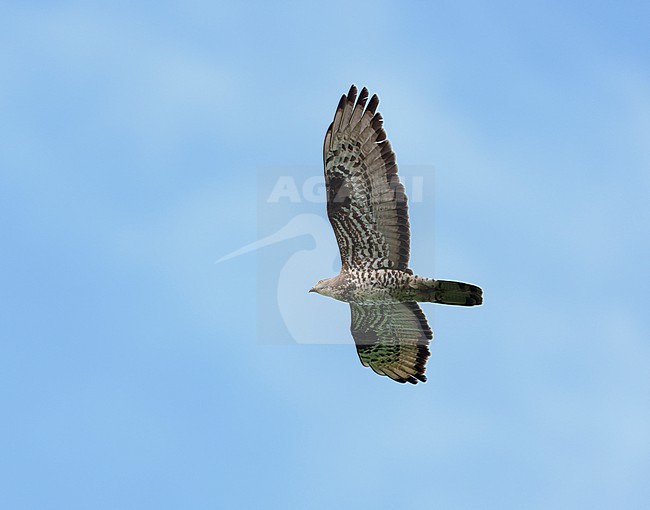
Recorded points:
(392, 339)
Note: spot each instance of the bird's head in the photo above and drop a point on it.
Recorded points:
(322, 287)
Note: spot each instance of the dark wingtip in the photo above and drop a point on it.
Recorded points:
(342, 102)
(363, 97)
(377, 120)
(352, 94)
(372, 105)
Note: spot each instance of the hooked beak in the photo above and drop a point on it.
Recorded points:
(312, 289)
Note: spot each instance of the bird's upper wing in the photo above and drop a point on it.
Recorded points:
(366, 203)
(392, 339)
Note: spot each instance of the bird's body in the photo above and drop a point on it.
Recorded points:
(367, 286)
(367, 208)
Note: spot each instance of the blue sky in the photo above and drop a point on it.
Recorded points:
(135, 372)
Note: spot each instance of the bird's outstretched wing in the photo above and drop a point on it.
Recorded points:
(366, 203)
(392, 339)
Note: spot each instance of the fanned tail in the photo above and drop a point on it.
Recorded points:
(448, 292)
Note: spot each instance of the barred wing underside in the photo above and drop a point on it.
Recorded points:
(366, 203)
(392, 339)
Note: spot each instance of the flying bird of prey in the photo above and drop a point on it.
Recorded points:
(367, 208)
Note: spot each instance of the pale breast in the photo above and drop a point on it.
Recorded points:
(376, 286)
